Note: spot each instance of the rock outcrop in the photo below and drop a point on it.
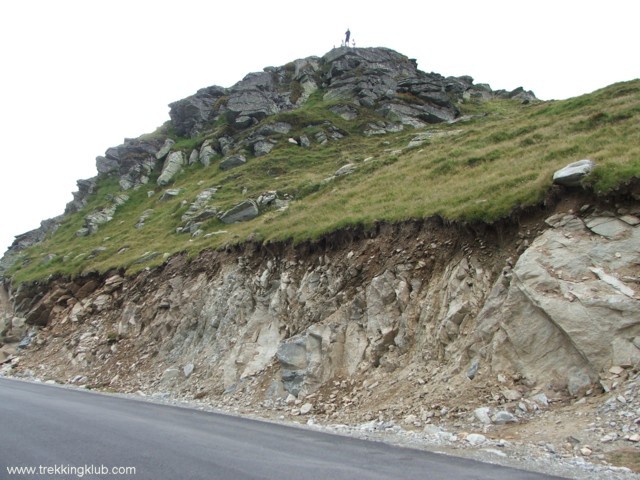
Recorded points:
(559, 317)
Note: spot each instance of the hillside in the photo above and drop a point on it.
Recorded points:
(352, 241)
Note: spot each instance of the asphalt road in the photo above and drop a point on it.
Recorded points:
(55, 430)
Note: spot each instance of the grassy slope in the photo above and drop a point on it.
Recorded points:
(473, 170)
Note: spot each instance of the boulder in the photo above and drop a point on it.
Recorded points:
(572, 174)
(242, 212)
(251, 103)
(165, 149)
(232, 162)
(262, 147)
(206, 153)
(190, 115)
(106, 165)
(172, 165)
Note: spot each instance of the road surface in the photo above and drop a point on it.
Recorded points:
(62, 433)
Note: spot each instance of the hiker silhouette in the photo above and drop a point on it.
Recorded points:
(347, 36)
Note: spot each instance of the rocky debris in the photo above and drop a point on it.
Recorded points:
(346, 112)
(144, 217)
(232, 161)
(93, 221)
(572, 174)
(275, 199)
(382, 128)
(172, 165)
(242, 212)
(199, 211)
(133, 161)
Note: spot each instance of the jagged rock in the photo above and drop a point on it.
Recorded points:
(172, 165)
(165, 149)
(199, 210)
(482, 414)
(93, 221)
(534, 323)
(502, 417)
(170, 194)
(347, 169)
(347, 112)
(262, 147)
(609, 227)
(106, 165)
(206, 153)
(241, 213)
(250, 103)
(232, 162)
(476, 439)
(281, 128)
(85, 189)
(189, 116)
(188, 369)
(193, 157)
(143, 218)
(572, 174)
(304, 141)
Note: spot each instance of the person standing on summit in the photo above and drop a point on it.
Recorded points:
(347, 36)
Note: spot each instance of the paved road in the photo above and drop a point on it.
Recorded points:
(49, 427)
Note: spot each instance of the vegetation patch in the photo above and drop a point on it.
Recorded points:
(477, 170)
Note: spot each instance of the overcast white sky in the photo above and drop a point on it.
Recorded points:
(78, 76)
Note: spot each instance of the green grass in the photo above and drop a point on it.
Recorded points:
(476, 170)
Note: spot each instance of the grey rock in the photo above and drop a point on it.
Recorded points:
(193, 157)
(106, 165)
(502, 417)
(347, 112)
(170, 194)
(609, 227)
(188, 369)
(191, 115)
(206, 153)
(262, 147)
(572, 174)
(232, 162)
(347, 169)
(304, 141)
(482, 414)
(172, 165)
(473, 369)
(251, 103)
(476, 439)
(242, 212)
(165, 149)
(281, 128)
(170, 375)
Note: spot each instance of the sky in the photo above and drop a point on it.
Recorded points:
(80, 76)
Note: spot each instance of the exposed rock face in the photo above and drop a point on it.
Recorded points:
(189, 116)
(558, 317)
(299, 321)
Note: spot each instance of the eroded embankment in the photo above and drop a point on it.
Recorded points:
(412, 320)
